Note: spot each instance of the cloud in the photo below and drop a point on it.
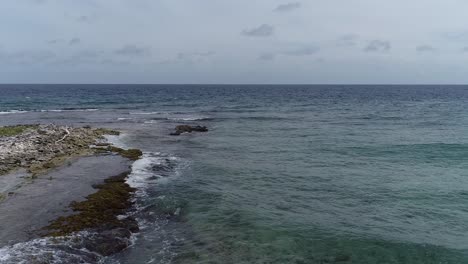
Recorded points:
(267, 57)
(465, 49)
(84, 19)
(114, 62)
(378, 46)
(305, 51)
(194, 55)
(188, 57)
(264, 30)
(38, 1)
(28, 57)
(74, 41)
(54, 41)
(81, 57)
(456, 35)
(348, 40)
(133, 50)
(287, 7)
(425, 48)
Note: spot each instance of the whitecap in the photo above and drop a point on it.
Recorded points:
(151, 121)
(70, 110)
(189, 118)
(12, 112)
(147, 113)
(67, 249)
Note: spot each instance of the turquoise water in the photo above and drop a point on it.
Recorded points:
(287, 174)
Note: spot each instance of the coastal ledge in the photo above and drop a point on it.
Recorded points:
(39, 148)
(48, 151)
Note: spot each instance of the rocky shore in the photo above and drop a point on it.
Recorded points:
(44, 151)
(41, 147)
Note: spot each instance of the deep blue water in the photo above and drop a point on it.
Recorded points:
(287, 174)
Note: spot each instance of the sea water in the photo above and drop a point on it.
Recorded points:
(286, 174)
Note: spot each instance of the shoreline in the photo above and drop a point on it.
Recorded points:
(64, 181)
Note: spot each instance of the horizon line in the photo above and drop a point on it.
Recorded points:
(245, 84)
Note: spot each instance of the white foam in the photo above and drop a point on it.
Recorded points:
(151, 122)
(141, 170)
(189, 118)
(117, 140)
(48, 250)
(70, 110)
(12, 112)
(147, 113)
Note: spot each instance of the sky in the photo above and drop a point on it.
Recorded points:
(234, 41)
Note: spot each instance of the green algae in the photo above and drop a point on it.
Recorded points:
(106, 131)
(9, 131)
(100, 209)
(131, 154)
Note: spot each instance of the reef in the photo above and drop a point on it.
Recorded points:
(39, 148)
(101, 213)
(188, 129)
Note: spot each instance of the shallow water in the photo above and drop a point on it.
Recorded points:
(287, 174)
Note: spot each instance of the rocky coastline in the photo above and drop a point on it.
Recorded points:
(39, 149)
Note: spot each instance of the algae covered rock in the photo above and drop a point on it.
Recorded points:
(188, 129)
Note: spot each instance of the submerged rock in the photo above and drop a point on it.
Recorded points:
(188, 129)
(109, 242)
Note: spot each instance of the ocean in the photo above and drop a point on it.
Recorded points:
(286, 174)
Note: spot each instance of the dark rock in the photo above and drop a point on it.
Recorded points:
(109, 242)
(342, 258)
(188, 129)
(131, 224)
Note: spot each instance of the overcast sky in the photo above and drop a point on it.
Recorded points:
(233, 41)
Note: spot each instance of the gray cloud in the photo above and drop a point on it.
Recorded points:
(425, 48)
(74, 41)
(378, 46)
(189, 57)
(194, 55)
(304, 51)
(81, 57)
(28, 57)
(348, 40)
(287, 7)
(54, 41)
(114, 62)
(133, 50)
(465, 49)
(264, 30)
(37, 1)
(84, 19)
(267, 57)
(456, 35)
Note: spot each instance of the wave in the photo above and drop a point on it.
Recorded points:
(189, 118)
(70, 110)
(262, 118)
(124, 118)
(153, 167)
(147, 113)
(13, 112)
(68, 249)
(49, 110)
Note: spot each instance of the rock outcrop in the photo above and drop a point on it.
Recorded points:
(40, 147)
(188, 129)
